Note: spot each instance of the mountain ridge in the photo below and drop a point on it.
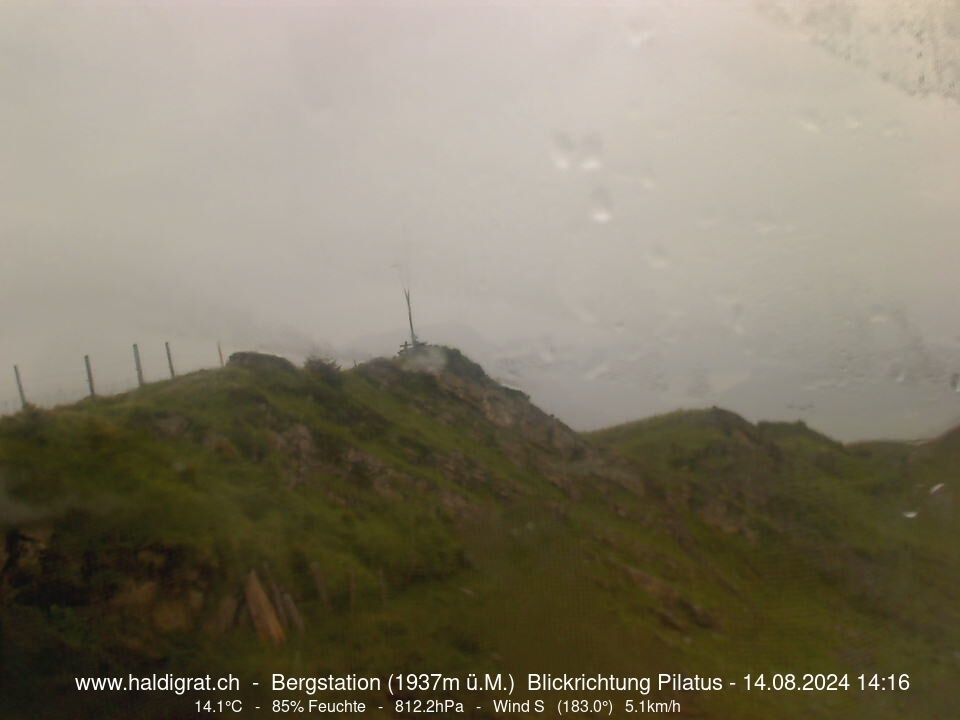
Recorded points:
(413, 511)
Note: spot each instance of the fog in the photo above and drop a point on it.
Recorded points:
(621, 210)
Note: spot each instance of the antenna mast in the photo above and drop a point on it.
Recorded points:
(413, 335)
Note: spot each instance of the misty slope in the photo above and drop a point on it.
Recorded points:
(412, 514)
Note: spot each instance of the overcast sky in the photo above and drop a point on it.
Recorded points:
(621, 209)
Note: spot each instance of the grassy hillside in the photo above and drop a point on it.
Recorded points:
(412, 514)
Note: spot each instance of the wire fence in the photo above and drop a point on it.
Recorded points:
(45, 384)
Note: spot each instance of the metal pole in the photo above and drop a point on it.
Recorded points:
(170, 361)
(23, 398)
(413, 335)
(220, 353)
(136, 360)
(86, 361)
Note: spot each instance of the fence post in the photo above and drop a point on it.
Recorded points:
(23, 398)
(86, 361)
(136, 360)
(170, 361)
(220, 353)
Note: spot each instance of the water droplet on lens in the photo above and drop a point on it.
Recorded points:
(563, 150)
(852, 123)
(638, 34)
(657, 258)
(591, 150)
(597, 372)
(764, 226)
(600, 211)
(809, 124)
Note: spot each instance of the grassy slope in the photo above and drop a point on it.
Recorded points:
(834, 576)
(457, 528)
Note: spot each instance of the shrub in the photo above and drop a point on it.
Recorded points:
(327, 370)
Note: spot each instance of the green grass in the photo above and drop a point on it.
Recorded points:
(451, 532)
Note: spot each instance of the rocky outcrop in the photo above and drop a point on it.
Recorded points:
(262, 612)
(261, 361)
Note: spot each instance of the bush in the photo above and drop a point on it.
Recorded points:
(326, 370)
